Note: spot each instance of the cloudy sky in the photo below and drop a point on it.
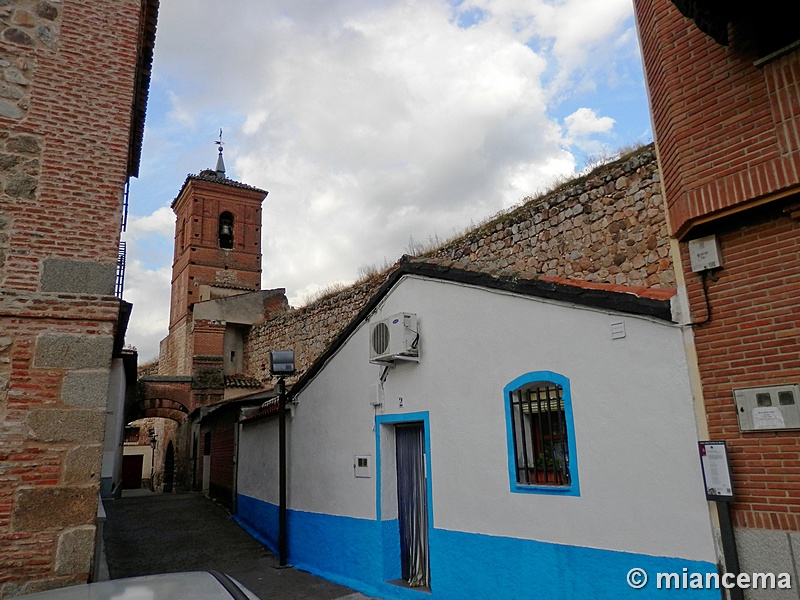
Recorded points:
(372, 123)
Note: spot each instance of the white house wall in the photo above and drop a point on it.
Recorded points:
(640, 487)
(111, 469)
(258, 469)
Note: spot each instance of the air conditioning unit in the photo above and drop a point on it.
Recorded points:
(395, 338)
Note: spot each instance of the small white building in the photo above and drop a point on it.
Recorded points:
(516, 439)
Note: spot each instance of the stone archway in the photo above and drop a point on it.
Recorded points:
(162, 407)
(170, 398)
(178, 398)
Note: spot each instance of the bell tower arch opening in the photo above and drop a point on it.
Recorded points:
(226, 231)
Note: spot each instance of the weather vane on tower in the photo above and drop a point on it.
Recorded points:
(220, 163)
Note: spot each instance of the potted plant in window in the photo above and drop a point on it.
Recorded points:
(549, 470)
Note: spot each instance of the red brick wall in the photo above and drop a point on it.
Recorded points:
(83, 136)
(198, 258)
(727, 129)
(208, 338)
(751, 340)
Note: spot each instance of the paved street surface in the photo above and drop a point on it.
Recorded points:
(147, 533)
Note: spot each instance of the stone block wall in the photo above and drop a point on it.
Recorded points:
(67, 78)
(608, 227)
(33, 25)
(54, 381)
(175, 352)
(307, 330)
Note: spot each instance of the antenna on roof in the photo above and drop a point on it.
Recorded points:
(220, 163)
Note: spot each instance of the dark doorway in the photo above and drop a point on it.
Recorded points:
(169, 468)
(132, 471)
(412, 504)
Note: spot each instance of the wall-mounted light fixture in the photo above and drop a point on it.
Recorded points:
(281, 363)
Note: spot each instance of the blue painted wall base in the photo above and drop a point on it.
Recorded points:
(362, 554)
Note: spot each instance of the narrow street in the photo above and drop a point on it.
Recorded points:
(147, 533)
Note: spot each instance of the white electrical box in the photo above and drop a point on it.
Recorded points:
(705, 253)
(362, 466)
(768, 408)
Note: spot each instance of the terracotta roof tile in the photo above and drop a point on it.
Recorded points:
(638, 291)
(242, 381)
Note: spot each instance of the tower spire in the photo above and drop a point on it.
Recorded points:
(220, 163)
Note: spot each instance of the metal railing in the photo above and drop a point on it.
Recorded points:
(120, 270)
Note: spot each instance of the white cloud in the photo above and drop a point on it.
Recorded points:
(160, 222)
(368, 122)
(582, 38)
(148, 290)
(585, 122)
(179, 112)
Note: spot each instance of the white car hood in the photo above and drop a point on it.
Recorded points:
(196, 585)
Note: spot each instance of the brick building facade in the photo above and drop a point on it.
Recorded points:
(724, 79)
(216, 297)
(74, 77)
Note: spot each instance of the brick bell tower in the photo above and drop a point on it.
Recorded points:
(217, 241)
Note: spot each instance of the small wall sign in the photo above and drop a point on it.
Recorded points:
(716, 471)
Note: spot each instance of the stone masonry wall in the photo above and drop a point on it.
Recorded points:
(307, 330)
(33, 24)
(608, 227)
(175, 352)
(67, 70)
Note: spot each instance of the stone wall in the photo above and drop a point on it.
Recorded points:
(175, 352)
(608, 227)
(67, 75)
(30, 24)
(307, 330)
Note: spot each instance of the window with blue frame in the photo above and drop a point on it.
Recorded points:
(541, 444)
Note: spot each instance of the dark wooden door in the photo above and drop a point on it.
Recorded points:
(132, 471)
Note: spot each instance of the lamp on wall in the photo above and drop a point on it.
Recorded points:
(281, 363)
(153, 442)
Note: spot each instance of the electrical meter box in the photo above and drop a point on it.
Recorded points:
(704, 253)
(768, 408)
